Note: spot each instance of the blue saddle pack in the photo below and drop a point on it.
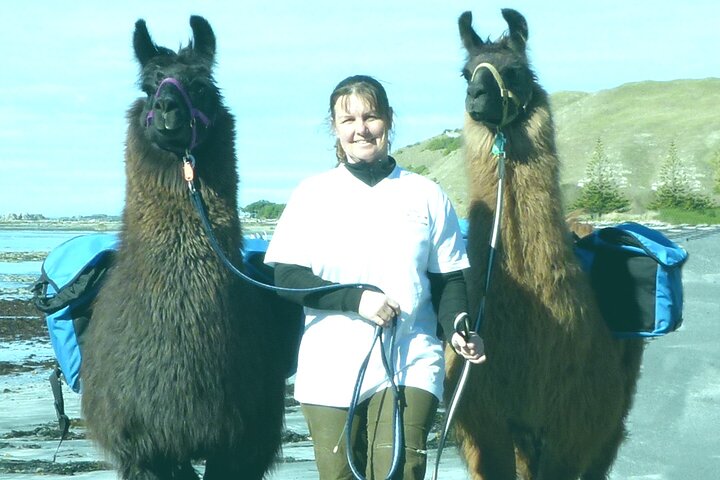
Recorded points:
(72, 275)
(636, 273)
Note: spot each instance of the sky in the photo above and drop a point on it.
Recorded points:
(69, 75)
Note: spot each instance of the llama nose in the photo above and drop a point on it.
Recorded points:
(474, 90)
(168, 110)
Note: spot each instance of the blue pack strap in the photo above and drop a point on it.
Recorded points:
(63, 420)
(653, 243)
(83, 287)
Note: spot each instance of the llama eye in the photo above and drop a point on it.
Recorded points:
(512, 75)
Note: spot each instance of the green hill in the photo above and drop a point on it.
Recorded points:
(636, 123)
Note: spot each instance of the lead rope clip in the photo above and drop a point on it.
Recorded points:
(188, 168)
(498, 149)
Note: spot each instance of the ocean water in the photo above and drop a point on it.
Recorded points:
(34, 240)
(17, 273)
(22, 252)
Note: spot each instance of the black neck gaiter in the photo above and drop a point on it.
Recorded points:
(372, 173)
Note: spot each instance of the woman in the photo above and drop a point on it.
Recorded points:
(369, 221)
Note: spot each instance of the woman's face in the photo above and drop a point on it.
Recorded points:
(360, 129)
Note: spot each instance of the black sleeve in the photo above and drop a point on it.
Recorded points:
(296, 276)
(449, 296)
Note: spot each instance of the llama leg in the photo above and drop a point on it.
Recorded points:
(603, 462)
(527, 452)
(488, 449)
(222, 467)
(155, 470)
(526, 463)
(631, 361)
(554, 466)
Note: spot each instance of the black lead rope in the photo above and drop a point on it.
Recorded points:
(198, 203)
(196, 198)
(398, 434)
(498, 149)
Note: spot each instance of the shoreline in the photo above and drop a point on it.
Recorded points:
(249, 226)
(61, 225)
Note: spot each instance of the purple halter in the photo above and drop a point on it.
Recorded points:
(194, 112)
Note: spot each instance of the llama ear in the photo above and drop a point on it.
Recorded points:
(203, 37)
(143, 45)
(518, 28)
(470, 39)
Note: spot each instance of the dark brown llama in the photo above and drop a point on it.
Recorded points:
(551, 401)
(177, 365)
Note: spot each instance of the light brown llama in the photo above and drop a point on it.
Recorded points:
(551, 401)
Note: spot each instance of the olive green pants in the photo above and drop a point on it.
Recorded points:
(372, 435)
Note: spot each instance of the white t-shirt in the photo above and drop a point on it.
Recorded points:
(388, 235)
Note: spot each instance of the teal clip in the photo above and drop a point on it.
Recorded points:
(498, 147)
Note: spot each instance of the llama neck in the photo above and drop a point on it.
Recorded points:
(158, 205)
(533, 225)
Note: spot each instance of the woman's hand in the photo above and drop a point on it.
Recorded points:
(472, 349)
(378, 308)
(466, 342)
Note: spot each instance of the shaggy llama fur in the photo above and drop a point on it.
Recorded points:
(551, 400)
(178, 366)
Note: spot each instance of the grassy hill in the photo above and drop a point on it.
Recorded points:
(636, 123)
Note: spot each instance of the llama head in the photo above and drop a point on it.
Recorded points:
(182, 98)
(500, 80)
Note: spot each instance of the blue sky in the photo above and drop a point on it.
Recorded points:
(68, 76)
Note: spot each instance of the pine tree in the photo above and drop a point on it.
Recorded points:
(601, 189)
(715, 162)
(678, 185)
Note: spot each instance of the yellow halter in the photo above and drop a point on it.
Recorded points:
(505, 94)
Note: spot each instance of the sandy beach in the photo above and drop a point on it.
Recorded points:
(673, 425)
